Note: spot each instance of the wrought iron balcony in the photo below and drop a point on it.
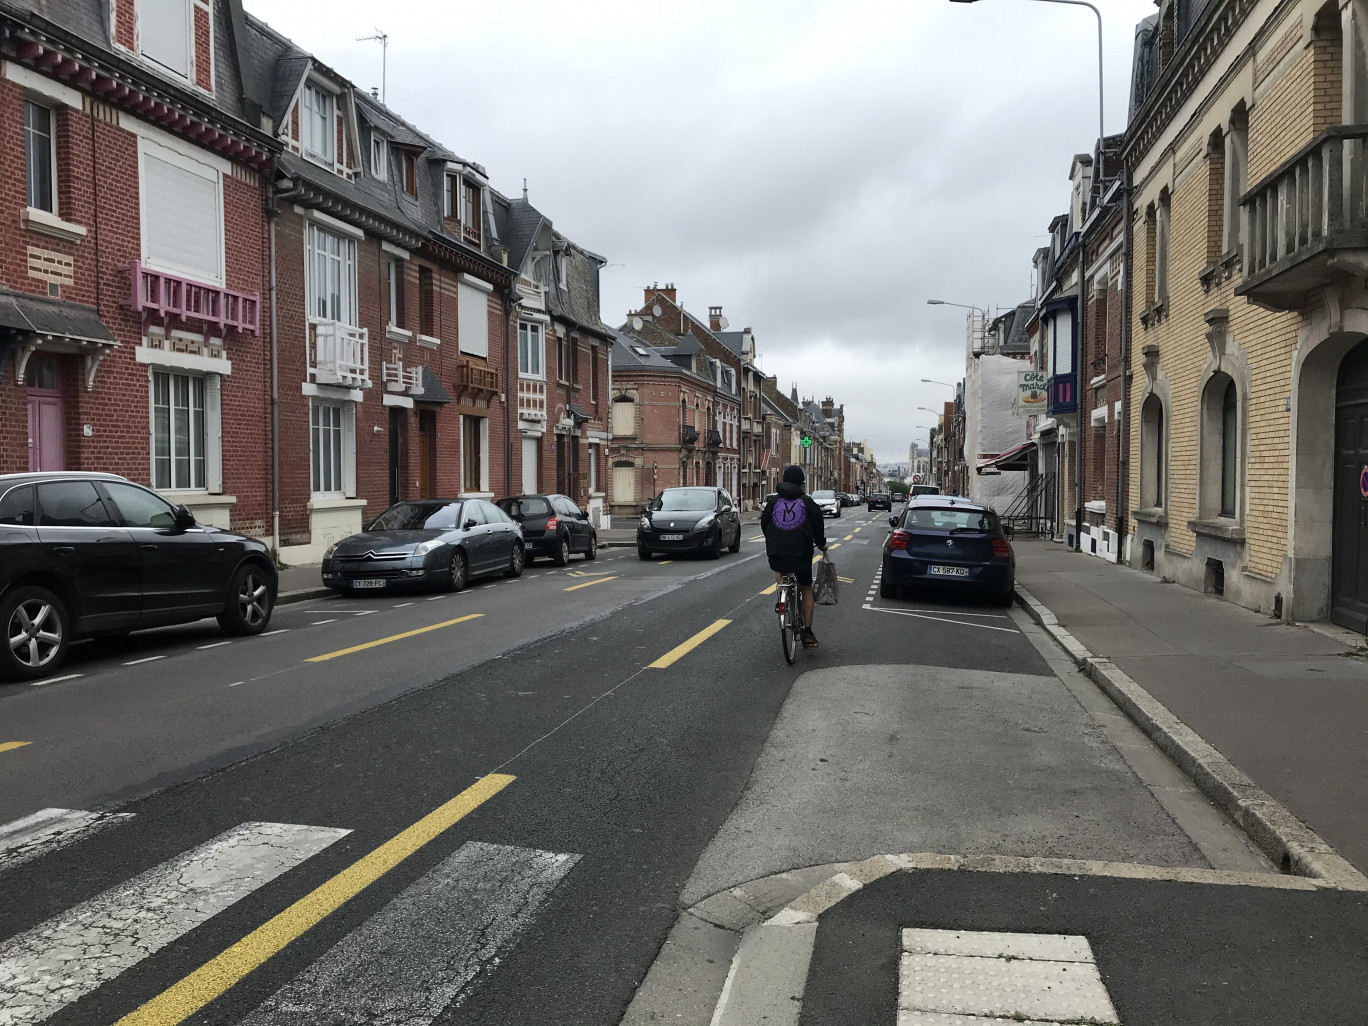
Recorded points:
(173, 298)
(1062, 394)
(339, 354)
(714, 439)
(1305, 225)
(688, 434)
(398, 378)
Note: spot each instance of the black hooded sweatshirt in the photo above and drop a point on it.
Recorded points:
(792, 524)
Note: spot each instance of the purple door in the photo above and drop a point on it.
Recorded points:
(46, 418)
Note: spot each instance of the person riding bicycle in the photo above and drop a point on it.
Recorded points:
(792, 524)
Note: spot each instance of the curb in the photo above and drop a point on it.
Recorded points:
(302, 595)
(1288, 842)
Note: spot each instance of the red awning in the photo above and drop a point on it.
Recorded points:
(1018, 458)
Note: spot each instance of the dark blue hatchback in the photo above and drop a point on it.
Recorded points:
(950, 544)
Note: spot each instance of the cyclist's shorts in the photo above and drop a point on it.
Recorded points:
(800, 568)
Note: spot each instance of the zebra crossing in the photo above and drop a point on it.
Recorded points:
(428, 947)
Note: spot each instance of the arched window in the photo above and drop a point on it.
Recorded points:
(1152, 453)
(1220, 450)
(1230, 449)
(624, 416)
(624, 483)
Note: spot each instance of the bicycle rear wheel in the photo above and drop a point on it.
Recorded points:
(788, 634)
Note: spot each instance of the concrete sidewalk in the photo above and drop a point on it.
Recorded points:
(1286, 704)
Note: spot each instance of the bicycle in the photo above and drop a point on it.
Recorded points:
(790, 610)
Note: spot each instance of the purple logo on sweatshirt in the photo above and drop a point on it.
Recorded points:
(789, 514)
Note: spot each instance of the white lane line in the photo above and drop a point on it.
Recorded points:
(320, 623)
(55, 963)
(213, 644)
(49, 829)
(54, 680)
(417, 955)
(236, 683)
(434, 598)
(269, 633)
(145, 659)
(363, 612)
(941, 619)
(401, 605)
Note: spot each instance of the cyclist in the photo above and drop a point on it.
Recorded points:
(792, 524)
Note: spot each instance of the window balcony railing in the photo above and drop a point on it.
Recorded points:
(339, 354)
(714, 439)
(532, 399)
(471, 233)
(476, 380)
(398, 378)
(688, 434)
(1062, 394)
(1306, 223)
(171, 297)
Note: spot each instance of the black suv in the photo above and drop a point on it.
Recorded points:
(96, 555)
(552, 525)
(880, 500)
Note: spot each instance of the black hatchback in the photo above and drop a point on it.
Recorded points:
(552, 525)
(690, 520)
(89, 555)
(950, 544)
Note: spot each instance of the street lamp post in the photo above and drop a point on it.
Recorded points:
(933, 381)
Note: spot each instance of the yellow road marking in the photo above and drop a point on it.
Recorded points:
(675, 654)
(817, 557)
(183, 999)
(392, 637)
(858, 530)
(590, 573)
(846, 580)
(837, 545)
(770, 590)
(8, 746)
(589, 584)
(758, 537)
(665, 562)
(848, 537)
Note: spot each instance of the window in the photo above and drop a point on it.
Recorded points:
(1236, 171)
(177, 431)
(16, 507)
(379, 156)
(562, 360)
(72, 504)
(40, 156)
(1152, 453)
(472, 453)
(332, 276)
(396, 292)
(531, 346)
(624, 484)
(325, 445)
(1230, 449)
(164, 34)
(1161, 248)
(450, 199)
(182, 215)
(624, 416)
(593, 373)
(470, 205)
(593, 467)
(410, 174)
(1217, 195)
(427, 305)
(139, 507)
(317, 126)
(574, 359)
(473, 319)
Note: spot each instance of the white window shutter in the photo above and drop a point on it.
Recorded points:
(213, 433)
(181, 219)
(474, 321)
(349, 450)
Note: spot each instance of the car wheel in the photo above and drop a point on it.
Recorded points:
(592, 551)
(736, 545)
(515, 562)
(249, 602)
(37, 631)
(714, 551)
(562, 555)
(643, 553)
(459, 574)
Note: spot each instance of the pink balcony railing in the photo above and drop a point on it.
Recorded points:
(172, 297)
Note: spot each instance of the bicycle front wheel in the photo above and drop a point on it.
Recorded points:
(789, 638)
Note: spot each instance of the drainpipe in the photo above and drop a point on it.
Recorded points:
(1079, 324)
(510, 393)
(273, 200)
(1123, 435)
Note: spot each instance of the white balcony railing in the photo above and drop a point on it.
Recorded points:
(398, 378)
(531, 399)
(339, 354)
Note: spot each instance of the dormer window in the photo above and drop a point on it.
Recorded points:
(317, 126)
(410, 174)
(164, 34)
(379, 157)
(461, 202)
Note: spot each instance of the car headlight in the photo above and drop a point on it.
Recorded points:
(645, 523)
(331, 549)
(423, 548)
(705, 522)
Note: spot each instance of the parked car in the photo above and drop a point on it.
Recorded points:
(90, 555)
(689, 520)
(846, 499)
(879, 500)
(950, 544)
(426, 543)
(553, 526)
(828, 503)
(923, 489)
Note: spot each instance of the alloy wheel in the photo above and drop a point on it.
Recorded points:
(458, 571)
(35, 633)
(253, 600)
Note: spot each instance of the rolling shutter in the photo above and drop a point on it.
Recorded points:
(181, 218)
(474, 321)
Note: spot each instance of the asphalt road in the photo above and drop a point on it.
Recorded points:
(485, 807)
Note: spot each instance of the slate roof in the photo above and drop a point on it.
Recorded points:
(625, 357)
(733, 340)
(773, 407)
(688, 345)
(433, 389)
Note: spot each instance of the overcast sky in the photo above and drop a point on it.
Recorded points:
(819, 170)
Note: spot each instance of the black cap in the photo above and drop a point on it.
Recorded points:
(793, 474)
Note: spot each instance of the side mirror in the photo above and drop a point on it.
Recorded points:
(893, 521)
(469, 524)
(184, 518)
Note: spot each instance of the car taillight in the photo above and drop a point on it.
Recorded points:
(899, 541)
(1001, 548)
(551, 523)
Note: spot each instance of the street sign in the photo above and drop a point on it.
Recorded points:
(916, 479)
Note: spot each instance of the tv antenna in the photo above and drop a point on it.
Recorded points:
(383, 39)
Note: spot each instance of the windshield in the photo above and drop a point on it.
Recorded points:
(685, 500)
(823, 496)
(924, 518)
(418, 516)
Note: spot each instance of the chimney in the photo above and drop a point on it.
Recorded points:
(714, 318)
(656, 289)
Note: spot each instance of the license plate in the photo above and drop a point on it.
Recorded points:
(950, 571)
(372, 583)
(671, 537)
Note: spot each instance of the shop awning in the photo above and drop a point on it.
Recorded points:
(1013, 459)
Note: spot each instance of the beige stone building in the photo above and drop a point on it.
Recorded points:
(1248, 306)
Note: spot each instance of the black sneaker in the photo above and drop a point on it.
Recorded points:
(809, 639)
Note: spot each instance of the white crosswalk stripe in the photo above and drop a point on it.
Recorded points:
(48, 830)
(68, 956)
(416, 955)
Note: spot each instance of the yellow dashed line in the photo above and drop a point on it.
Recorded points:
(770, 590)
(392, 637)
(9, 746)
(589, 584)
(675, 654)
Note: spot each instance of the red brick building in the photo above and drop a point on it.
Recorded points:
(133, 276)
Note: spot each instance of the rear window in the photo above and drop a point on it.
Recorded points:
(525, 507)
(823, 496)
(934, 518)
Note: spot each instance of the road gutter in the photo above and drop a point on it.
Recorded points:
(1288, 842)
